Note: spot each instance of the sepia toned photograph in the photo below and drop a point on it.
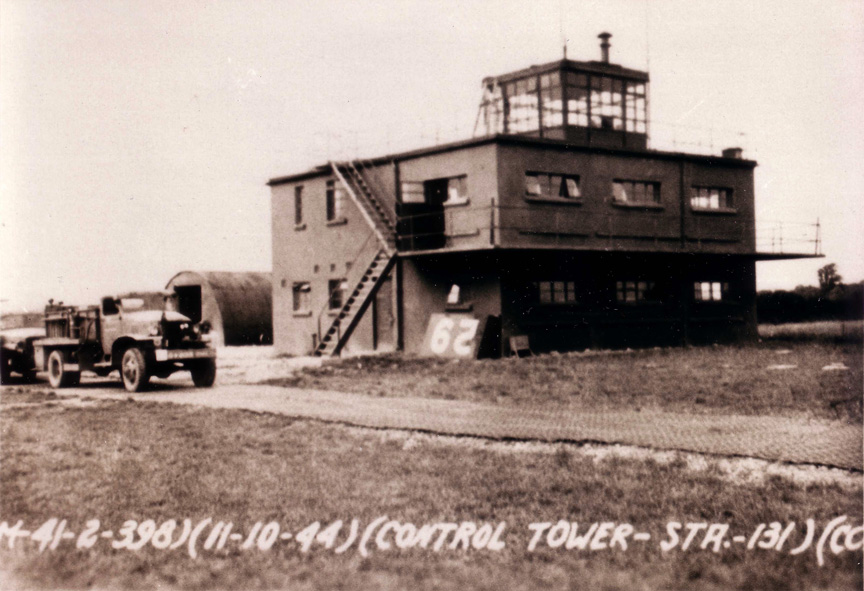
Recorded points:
(414, 295)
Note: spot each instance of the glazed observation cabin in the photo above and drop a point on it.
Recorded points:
(593, 103)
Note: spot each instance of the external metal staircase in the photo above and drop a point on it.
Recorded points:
(379, 257)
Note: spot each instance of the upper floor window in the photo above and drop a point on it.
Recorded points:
(632, 292)
(298, 205)
(457, 191)
(636, 192)
(301, 301)
(541, 185)
(556, 292)
(711, 198)
(710, 291)
(335, 198)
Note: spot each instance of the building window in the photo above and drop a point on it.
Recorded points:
(710, 291)
(633, 292)
(301, 297)
(457, 191)
(550, 97)
(298, 206)
(636, 107)
(710, 198)
(635, 193)
(335, 198)
(337, 289)
(556, 292)
(413, 192)
(541, 185)
(521, 105)
(607, 103)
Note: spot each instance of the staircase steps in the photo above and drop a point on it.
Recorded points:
(356, 304)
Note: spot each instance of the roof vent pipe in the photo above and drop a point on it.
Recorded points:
(604, 46)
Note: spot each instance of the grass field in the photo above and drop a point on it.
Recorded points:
(829, 330)
(780, 379)
(127, 460)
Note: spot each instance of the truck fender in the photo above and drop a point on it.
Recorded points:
(126, 342)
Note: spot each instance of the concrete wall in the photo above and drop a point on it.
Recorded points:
(597, 319)
(427, 280)
(595, 221)
(466, 225)
(315, 252)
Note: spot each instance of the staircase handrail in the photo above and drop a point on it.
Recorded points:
(373, 179)
(351, 278)
(385, 244)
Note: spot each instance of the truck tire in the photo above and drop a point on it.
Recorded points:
(58, 377)
(134, 370)
(204, 373)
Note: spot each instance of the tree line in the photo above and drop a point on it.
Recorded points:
(831, 300)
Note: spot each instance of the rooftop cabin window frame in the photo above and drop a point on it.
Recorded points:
(570, 94)
(564, 182)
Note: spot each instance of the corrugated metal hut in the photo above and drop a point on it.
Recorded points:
(238, 306)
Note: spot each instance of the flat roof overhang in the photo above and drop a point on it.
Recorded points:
(519, 140)
(754, 256)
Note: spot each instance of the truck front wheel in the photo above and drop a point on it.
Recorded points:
(58, 376)
(134, 370)
(204, 373)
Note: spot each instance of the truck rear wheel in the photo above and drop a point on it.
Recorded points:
(58, 377)
(134, 370)
(204, 373)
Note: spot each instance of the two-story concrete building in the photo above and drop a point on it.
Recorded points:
(558, 224)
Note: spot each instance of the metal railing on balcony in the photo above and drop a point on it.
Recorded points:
(569, 227)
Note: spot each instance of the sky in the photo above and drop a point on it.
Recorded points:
(137, 136)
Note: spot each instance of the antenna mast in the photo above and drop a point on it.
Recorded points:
(561, 26)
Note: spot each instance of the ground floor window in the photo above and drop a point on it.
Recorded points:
(301, 297)
(555, 292)
(337, 289)
(710, 291)
(632, 292)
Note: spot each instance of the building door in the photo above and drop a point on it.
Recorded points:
(385, 317)
(421, 224)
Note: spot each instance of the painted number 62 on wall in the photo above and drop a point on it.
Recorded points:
(451, 335)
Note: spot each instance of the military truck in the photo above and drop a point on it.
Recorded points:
(121, 335)
(16, 353)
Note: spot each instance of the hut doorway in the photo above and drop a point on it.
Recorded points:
(189, 301)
